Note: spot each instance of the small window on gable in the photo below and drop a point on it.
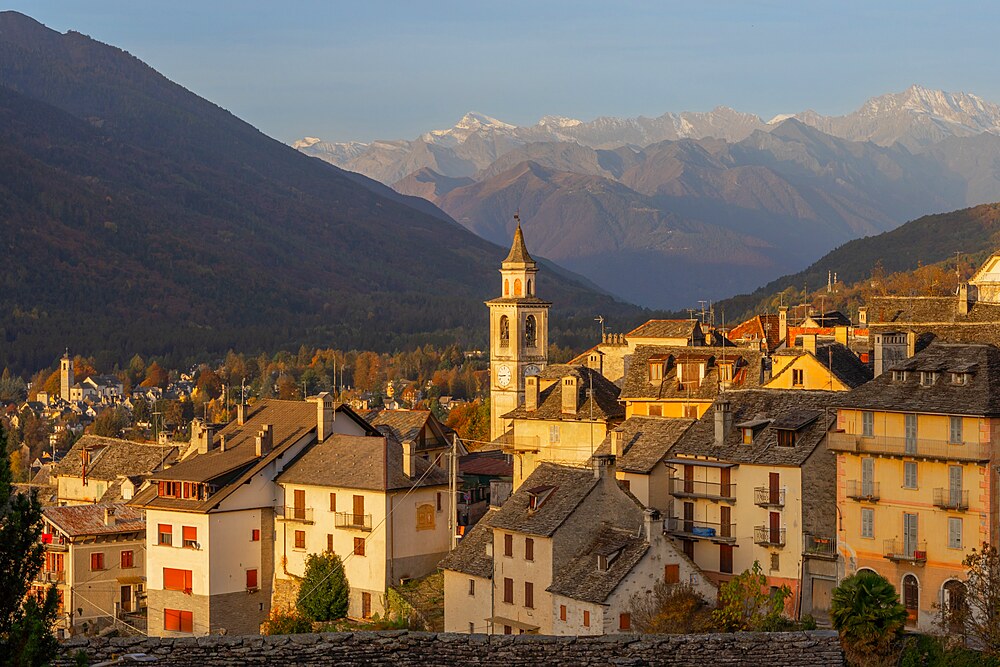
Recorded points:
(959, 378)
(748, 436)
(899, 376)
(798, 377)
(786, 438)
(927, 378)
(537, 496)
(657, 369)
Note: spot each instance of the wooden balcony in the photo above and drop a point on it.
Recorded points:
(900, 551)
(859, 490)
(701, 530)
(351, 521)
(689, 488)
(951, 499)
(765, 496)
(766, 536)
(919, 448)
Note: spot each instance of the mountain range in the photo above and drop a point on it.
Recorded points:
(137, 217)
(665, 211)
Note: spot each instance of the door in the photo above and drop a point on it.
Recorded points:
(299, 507)
(126, 599)
(774, 488)
(359, 510)
(725, 518)
(867, 477)
(688, 517)
(911, 434)
(954, 486)
(909, 534)
(774, 526)
(725, 477)
(911, 599)
(726, 558)
(688, 479)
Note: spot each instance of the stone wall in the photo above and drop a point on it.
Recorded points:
(403, 649)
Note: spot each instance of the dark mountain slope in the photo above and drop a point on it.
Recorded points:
(137, 217)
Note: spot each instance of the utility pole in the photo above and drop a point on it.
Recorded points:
(453, 488)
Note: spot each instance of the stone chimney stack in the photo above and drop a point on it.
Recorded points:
(863, 316)
(570, 394)
(783, 323)
(723, 421)
(616, 442)
(963, 299)
(595, 361)
(241, 414)
(840, 334)
(911, 344)
(264, 440)
(324, 415)
(652, 524)
(604, 466)
(201, 435)
(808, 343)
(531, 392)
(109, 516)
(409, 459)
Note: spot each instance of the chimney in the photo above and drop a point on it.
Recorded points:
(963, 299)
(911, 344)
(409, 458)
(109, 516)
(840, 335)
(264, 440)
(222, 443)
(863, 316)
(783, 323)
(570, 394)
(652, 524)
(531, 393)
(723, 421)
(808, 342)
(604, 466)
(324, 415)
(596, 361)
(241, 414)
(616, 442)
(201, 435)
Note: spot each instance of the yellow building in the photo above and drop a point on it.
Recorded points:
(566, 413)
(830, 366)
(668, 381)
(753, 481)
(914, 449)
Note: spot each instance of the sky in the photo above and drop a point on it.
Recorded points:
(363, 70)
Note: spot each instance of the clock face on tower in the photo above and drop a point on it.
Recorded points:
(503, 376)
(531, 369)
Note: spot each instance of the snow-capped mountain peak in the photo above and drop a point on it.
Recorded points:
(558, 122)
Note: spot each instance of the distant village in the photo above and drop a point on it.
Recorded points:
(809, 445)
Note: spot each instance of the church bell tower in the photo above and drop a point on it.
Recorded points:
(519, 333)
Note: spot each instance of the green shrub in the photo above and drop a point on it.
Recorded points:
(324, 593)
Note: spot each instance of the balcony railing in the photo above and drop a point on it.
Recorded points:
(765, 496)
(815, 545)
(861, 490)
(900, 550)
(951, 499)
(766, 536)
(52, 577)
(918, 448)
(701, 530)
(689, 488)
(352, 521)
(299, 514)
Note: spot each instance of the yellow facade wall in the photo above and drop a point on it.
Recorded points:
(669, 408)
(814, 374)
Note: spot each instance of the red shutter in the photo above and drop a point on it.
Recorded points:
(625, 621)
(671, 574)
(529, 595)
(255, 535)
(172, 620)
(187, 621)
(529, 549)
(586, 619)
(251, 578)
(177, 580)
(508, 545)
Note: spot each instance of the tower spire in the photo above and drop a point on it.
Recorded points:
(518, 250)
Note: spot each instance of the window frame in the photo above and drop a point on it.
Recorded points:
(168, 533)
(97, 562)
(126, 559)
(952, 543)
(359, 546)
(907, 467)
(299, 539)
(868, 517)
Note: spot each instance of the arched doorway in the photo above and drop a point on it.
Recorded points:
(911, 599)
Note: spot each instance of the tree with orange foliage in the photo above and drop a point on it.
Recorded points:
(156, 376)
(471, 421)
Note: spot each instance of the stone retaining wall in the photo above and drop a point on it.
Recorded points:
(404, 649)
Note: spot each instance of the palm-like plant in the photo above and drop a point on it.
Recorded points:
(865, 610)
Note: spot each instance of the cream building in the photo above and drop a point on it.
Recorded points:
(105, 470)
(519, 334)
(376, 503)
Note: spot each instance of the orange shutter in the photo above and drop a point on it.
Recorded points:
(671, 574)
(190, 534)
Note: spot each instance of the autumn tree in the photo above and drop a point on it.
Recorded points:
(209, 384)
(471, 421)
(156, 376)
(670, 609)
(973, 608)
(747, 603)
(111, 423)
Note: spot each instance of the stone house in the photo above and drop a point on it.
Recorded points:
(94, 468)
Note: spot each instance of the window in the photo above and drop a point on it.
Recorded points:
(508, 545)
(255, 535)
(472, 587)
(504, 331)
(517, 287)
(190, 536)
(655, 410)
(175, 620)
(899, 376)
(562, 612)
(165, 534)
(687, 546)
(927, 378)
(868, 424)
(329, 543)
(955, 432)
(748, 436)
(726, 558)
(438, 501)
(507, 630)
(251, 579)
(96, 561)
(529, 549)
(358, 517)
(867, 522)
(300, 539)
(868, 477)
(586, 619)
(366, 605)
(359, 546)
(786, 438)
(127, 560)
(554, 433)
(958, 378)
(530, 333)
(909, 474)
(656, 367)
(508, 590)
(625, 621)
(472, 627)
(529, 595)
(954, 533)
(672, 574)
(333, 502)
(177, 580)
(797, 374)
(506, 287)
(775, 562)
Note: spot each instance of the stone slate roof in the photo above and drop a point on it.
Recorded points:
(470, 556)
(405, 426)
(570, 486)
(83, 520)
(518, 250)
(487, 466)
(773, 407)
(759, 327)
(845, 365)
(645, 442)
(638, 386)
(605, 399)
(831, 318)
(582, 580)
(937, 315)
(359, 462)
(111, 458)
(664, 329)
(979, 396)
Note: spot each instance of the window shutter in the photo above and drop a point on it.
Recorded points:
(671, 573)
(529, 549)
(955, 533)
(251, 578)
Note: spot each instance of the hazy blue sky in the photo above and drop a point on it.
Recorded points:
(361, 70)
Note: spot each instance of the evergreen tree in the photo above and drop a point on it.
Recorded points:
(865, 610)
(324, 591)
(25, 621)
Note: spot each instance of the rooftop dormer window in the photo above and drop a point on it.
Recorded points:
(927, 378)
(605, 561)
(899, 376)
(537, 497)
(959, 378)
(786, 438)
(657, 368)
